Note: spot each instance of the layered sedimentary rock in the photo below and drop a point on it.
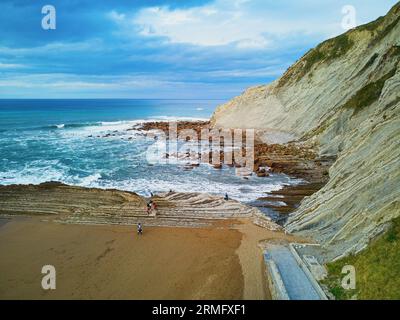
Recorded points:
(53, 198)
(343, 99)
(71, 204)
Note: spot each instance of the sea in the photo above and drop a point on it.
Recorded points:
(87, 143)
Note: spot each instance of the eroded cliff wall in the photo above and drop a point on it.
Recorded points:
(343, 97)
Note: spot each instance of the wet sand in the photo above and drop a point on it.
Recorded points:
(3, 221)
(112, 262)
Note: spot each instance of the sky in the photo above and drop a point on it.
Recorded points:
(165, 49)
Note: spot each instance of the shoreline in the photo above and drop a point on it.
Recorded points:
(54, 221)
(187, 216)
(295, 159)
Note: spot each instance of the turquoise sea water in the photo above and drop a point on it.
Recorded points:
(63, 140)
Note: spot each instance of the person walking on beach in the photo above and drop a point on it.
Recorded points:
(226, 198)
(139, 229)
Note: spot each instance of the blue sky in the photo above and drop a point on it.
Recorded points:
(196, 49)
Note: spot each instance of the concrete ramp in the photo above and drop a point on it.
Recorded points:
(293, 280)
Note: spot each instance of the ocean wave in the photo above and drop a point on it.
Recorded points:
(88, 181)
(121, 126)
(107, 125)
(38, 175)
(64, 126)
(235, 191)
(34, 174)
(194, 181)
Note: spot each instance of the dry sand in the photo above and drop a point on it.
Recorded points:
(112, 262)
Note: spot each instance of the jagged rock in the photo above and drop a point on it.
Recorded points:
(262, 173)
(195, 164)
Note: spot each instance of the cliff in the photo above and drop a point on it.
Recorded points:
(342, 98)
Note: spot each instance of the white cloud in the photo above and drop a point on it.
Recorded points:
(116, 17)
(78, 82)
(89, 45)
(251, 73)
(221, 23)
(251, 23)
(212, 25)
(10, 65)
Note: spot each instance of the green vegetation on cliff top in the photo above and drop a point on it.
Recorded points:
(379, 33)
(326, 51)
(336, 47)
(377, 269)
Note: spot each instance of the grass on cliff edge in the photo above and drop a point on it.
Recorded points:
(326, 51)
(377, 269)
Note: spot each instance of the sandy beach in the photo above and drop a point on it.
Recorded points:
(112, 262)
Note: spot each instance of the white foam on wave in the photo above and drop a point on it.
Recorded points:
(104, 127)
(244, 193)
(39, 171)
(236, 187)
(113, 126)
(89, 180)
(35, 172)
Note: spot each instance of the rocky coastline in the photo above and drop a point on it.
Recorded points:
(293, 159)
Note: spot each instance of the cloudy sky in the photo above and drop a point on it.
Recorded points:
(161, 48)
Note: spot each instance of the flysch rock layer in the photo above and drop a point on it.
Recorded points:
(343, 99)
(77, 205)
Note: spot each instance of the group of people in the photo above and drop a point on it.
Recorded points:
(152, 206)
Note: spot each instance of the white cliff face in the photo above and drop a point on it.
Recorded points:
(363, 192)
(344, 98)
